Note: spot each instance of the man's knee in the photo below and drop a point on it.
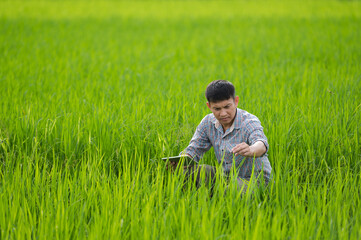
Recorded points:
(242, 185)
(200, 174)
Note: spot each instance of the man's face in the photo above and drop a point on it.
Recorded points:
(224, 111)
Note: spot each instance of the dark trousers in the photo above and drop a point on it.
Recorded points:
(206, 174)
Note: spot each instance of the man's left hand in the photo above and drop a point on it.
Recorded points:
(255, 150)
(243, 149)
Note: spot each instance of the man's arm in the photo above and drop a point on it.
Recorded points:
(256, 145)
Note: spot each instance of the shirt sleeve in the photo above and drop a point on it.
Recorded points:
(255, 133)
(199, 143)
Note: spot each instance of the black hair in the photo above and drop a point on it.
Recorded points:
(220, 90)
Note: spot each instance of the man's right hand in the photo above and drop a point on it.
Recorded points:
(173, 165)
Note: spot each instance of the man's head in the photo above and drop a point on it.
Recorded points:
(222, 101)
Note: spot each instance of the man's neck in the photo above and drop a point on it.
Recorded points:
(225, 127)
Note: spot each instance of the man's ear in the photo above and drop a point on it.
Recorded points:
(209, 105)
(236, 100)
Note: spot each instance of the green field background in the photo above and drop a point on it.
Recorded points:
(93, 94)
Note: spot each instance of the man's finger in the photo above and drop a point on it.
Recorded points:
(244, 152)
(239, 147)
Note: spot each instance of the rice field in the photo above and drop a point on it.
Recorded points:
(94, 94)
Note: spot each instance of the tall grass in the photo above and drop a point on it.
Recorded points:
(94, 94)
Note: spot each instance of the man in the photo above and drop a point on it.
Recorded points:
(236, 136)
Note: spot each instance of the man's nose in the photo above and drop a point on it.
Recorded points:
(223, 113)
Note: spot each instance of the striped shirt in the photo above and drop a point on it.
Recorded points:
(245, 128)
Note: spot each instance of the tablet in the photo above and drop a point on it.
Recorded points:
(185, 159)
